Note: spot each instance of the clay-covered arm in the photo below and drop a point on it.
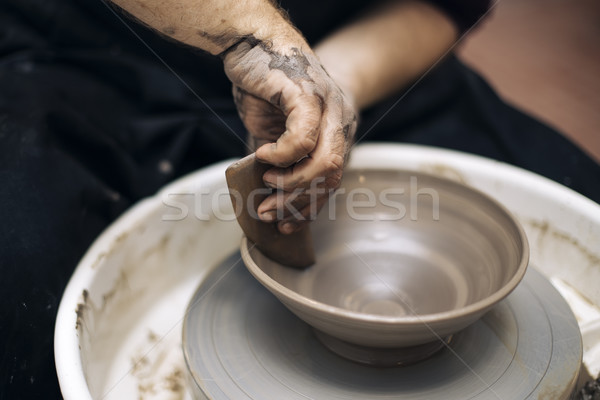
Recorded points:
(214, 25)
(302, 118)
(301, 121)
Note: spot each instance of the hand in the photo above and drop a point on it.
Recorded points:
(299, 121)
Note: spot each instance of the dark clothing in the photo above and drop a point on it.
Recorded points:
(465, 13)
(91, 121)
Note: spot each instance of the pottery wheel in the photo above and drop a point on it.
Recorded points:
(241, 343)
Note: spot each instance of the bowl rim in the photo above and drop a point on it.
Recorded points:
(471, 309)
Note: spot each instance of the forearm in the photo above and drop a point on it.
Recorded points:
(282, 92)
(216, 25)
(377, 55)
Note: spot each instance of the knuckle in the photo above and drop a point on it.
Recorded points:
(310, 120)
(306, 143)
(348, 108)
(333, 166)
(333, 163)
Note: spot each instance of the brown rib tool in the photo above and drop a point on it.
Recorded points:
(295, 250)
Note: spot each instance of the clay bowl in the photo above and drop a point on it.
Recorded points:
(404, 261)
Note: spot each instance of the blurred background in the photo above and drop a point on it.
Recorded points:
(543, 56)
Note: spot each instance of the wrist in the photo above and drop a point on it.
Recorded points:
(342, 75)
(348, 87)
(283, 39)
(264, 25)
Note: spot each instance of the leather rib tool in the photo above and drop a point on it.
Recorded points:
(244, 177)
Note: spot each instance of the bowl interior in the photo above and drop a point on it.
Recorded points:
(400, 244)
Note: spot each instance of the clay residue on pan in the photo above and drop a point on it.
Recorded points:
(153, 337)
(174, 381)
(106, 313)
(546, 229)
(86, 309)
(86, 306)
(158, 368)
(589, 303)
(81, 309)
(98, 260)
(120, 284)
(121, 237)
(164, 241)
(577, 265)
(444, 171)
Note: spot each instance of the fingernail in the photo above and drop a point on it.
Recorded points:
(268, 215)
(289, 227)
(269, 177)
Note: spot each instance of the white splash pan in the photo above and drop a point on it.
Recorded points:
(118, 330)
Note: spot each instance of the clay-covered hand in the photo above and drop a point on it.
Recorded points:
(299, 121)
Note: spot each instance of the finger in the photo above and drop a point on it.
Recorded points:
(312, 173)
(291, 225)
(301, 135)
(254, 143)
(324, 167)
(286, 179)
(281, 205)
(298, 205)
(263, 120)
